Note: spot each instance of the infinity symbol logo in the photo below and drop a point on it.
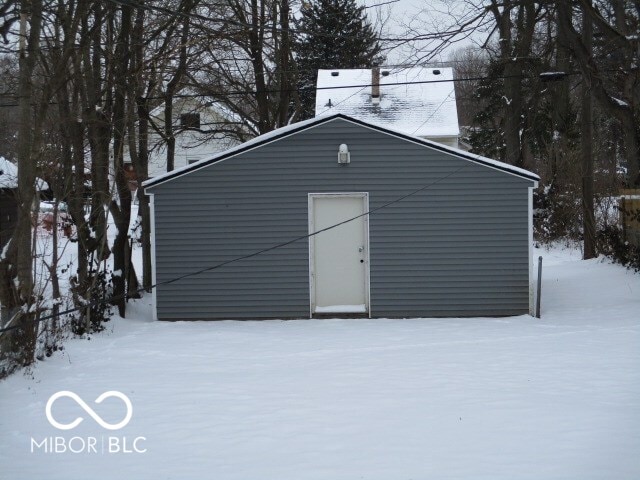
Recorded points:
(89, 410)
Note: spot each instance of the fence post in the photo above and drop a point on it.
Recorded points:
(539, 289)
(127, 267)
(623, 216)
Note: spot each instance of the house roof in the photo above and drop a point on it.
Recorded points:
(9, 176)
(416, 101)
(308, 124)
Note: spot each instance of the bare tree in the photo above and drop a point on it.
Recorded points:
(588, 216)
(8, 97)
(469, 65)
(614, 84)
(21, 343)
(120, 205)
(249, 67)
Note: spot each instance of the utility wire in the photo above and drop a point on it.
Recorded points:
(233, 260)
(446, 99)
(366, 85)
(558, 76)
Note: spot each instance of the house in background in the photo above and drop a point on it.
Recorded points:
(421, 229)
(202, 128)
(8, 198)
(417, 101)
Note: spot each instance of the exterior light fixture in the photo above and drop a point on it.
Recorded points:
(344, 156)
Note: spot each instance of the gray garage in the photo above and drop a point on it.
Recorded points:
(370, 222)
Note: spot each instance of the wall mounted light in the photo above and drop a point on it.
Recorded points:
(344, 156)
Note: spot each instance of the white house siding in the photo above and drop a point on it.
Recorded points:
(190, 148)
(191, 145)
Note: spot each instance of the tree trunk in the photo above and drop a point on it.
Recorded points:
(140, 151)
(256, 42)
(515, 44)
(588, 217)
(97, 111)
(562, 107)
(121, 208)
(284, 66)
(22, 342)
(172, 87)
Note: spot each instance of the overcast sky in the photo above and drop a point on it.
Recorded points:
(425, 16)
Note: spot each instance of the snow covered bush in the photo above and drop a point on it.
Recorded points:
(98, 311)
(613, 244)
(557, 215)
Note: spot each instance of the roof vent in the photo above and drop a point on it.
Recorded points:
(335, 74)
(385, 73)
(436, 72)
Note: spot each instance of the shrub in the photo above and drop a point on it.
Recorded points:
(611, 243)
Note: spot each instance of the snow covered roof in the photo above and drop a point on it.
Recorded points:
(9, 176)
(300, 126)
(416, 101)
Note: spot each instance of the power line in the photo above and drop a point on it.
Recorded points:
(381, 4)
(433, 113)
(339, 102)
(362, 85)
(234, 260)
(398, 66)
(556, 76)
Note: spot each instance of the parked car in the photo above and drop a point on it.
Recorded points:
(46, 220)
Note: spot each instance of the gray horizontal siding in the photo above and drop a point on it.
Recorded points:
(458, 248)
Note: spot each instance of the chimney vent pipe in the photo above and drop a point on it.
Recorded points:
(375, 85)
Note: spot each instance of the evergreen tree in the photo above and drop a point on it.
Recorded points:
(331, 34)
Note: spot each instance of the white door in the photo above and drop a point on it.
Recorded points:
(339, 262)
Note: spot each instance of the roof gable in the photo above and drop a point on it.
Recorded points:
(188, 101)
(416, 101)
(308, 124)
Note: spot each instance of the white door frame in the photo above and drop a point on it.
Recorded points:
(312, 286)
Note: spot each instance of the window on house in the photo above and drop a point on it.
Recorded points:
(190, 120)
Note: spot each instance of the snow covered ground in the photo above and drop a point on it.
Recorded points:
(508, 398)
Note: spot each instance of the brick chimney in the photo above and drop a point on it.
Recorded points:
(375, 85)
